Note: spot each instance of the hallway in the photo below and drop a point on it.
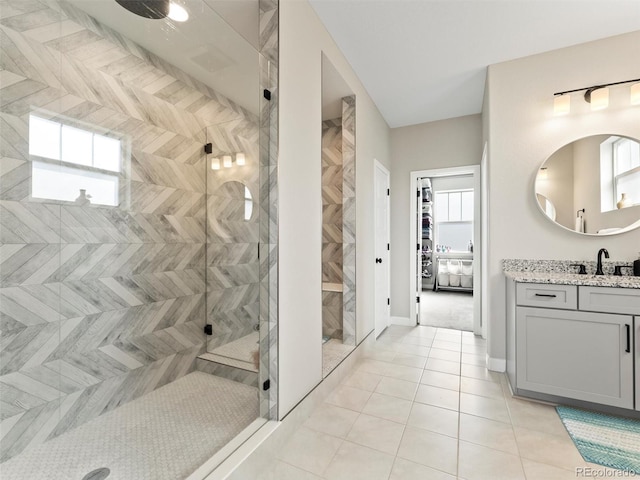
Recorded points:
(420, 405)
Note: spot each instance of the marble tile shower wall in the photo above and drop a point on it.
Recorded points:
(332, 201)
(349, 219)
(99, 305)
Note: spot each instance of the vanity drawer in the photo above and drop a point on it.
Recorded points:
(610, 300)
(551, 296)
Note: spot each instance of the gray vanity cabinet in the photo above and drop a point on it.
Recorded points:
(574, 342)
(573, 354)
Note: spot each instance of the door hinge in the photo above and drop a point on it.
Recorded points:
(418, 246)
(267, 94)
(388, 248)
(417, 299)
(388, 301)
(387, 192)
(418, 192)
(266, 385)
(258, 250)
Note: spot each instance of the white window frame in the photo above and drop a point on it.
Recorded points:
(626, 173)
(95, 171)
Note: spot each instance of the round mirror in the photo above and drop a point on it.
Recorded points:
(592, 185)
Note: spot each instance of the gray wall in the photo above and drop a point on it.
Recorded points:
(447, 143)
(99, 305)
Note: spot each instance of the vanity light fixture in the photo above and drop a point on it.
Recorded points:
(240, 159)
(596, 95)
(543, 174)
(226, 161)
(635, 94)
(561, 104)
(215, 163)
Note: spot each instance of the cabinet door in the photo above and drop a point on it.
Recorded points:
(578, 355)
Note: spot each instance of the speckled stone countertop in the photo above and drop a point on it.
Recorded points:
(561, 273)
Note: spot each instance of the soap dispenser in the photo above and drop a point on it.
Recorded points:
(636, 266)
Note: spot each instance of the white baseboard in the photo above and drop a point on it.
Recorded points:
(406, 321)
(496, 364)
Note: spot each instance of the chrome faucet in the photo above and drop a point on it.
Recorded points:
(599, 266)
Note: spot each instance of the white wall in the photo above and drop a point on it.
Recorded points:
(522, 132)
(447, 143)
(303, 38)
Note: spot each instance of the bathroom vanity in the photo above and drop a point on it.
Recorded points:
(574, 337)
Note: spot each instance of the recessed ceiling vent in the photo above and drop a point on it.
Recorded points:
(154, 9)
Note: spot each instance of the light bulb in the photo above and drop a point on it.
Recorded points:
(240, 160)
(600, 98)
(635, 94)
(178, 13)
(226, 161)
(215, 164)
(561, 104)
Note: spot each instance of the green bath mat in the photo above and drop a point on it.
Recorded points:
(604, 439)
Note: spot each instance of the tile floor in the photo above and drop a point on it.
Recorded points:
(421, 405)
(333, 352)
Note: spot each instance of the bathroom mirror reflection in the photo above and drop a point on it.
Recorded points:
(338, 218)
(592, 185)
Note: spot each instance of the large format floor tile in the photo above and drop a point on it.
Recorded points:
(435, 415)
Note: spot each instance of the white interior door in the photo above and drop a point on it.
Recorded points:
(381, 219)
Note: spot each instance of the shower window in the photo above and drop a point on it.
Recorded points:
(71, 164)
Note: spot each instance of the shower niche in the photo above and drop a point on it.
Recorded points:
(338, 217)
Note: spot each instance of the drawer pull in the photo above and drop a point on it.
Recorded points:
(628, 327)
(549, 295)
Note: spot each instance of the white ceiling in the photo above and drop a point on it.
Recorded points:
(217, 45)
(425, 60)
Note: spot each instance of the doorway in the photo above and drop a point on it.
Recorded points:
(445, 223)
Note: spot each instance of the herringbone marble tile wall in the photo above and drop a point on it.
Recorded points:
(100, 305)
(332, 201)
(349, 219)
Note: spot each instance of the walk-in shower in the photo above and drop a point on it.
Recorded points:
(137, 234)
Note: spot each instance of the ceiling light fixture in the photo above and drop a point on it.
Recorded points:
(596, 95)
(152, 9)
(178, 13)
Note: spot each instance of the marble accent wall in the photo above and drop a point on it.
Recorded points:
(332, 175)
(349, 219)
(100, 305)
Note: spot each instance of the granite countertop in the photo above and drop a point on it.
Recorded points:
(562, 278)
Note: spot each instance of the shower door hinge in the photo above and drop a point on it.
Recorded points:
(267, 94)
(208, 148)
(266, 385)
(208, 329)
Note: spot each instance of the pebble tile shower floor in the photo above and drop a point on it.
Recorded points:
(164, 435)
